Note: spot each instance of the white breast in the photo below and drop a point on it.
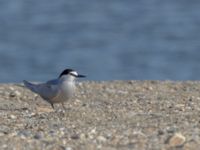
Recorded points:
(66, 91)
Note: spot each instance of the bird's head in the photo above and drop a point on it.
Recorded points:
(71, 74)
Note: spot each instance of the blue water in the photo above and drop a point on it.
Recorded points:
(107, 40)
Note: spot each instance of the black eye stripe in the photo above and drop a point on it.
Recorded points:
(72, 74)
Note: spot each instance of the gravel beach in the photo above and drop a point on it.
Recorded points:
(138, 115)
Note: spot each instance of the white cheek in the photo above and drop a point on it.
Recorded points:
(74, 73)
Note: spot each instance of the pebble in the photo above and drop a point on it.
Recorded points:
(12, 117)
(2, 133)
(82, 136)
(93, 131)
(101, 139)
(5, 146)
(24, 134)
(177, 140)
(75, 137)
(11, 88)
(15, 94)
(68, 148)
(38, 136)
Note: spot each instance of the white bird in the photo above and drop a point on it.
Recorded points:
(57, 90)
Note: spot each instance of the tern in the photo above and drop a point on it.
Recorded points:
(57, 90)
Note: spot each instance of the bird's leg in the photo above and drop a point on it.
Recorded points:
(52, 105)
(35, 100)
(63, 106)
(36, 97)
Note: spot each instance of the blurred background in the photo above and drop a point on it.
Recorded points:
(106, 40)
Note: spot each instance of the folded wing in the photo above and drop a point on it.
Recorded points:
(47, 90)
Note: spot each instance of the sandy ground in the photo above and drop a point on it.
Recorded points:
(138, 115)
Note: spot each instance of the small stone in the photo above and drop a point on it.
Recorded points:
(82, 136)
(101, 139)
(2, 133)
(12, 117)
(149, 88)
(15, 93)
(4, 146)
(11, 88)
(84, 104)
(160, 132)
(24, 134)
(75, 137)
(38, 136)
(171, 130)
(68, 148)
(93, 131)
(12, 94)
(177, 140)
(99, 146)
(44, 110)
